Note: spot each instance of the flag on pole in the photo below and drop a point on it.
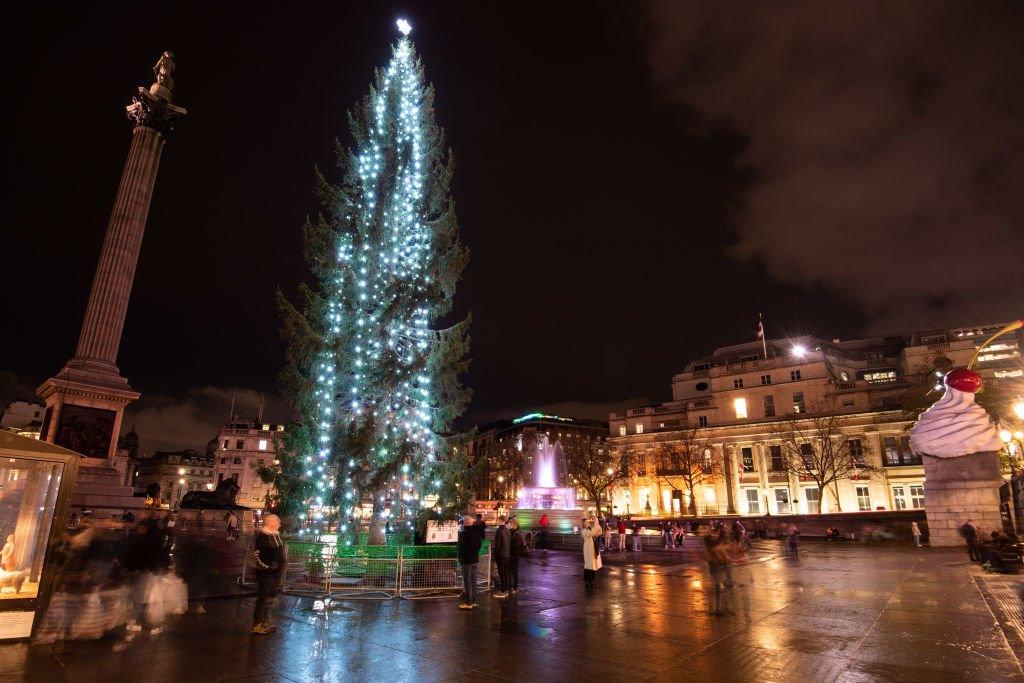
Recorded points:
(760, 335)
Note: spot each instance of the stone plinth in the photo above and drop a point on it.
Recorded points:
(961, 489)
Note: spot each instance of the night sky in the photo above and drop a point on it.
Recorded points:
(635, 183)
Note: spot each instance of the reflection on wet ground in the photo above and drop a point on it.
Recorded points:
(849, 613)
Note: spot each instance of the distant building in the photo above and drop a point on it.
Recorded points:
(23, 416)
(509, 446)
(737, 397)
(242, 447)
(177, 473)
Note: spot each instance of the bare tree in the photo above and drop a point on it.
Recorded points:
(595, 465)
(690, 461)
(815, 447)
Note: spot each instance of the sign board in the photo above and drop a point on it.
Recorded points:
(16, 624)
(438, 532)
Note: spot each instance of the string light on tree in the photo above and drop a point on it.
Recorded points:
(381, 386)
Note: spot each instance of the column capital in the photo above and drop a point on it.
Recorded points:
(154, 112)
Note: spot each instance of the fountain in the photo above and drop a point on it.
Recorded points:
(542, 462)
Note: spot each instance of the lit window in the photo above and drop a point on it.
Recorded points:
(917, 496)
(748, 459)
(863, 498)
(263, 444)
(639, 428)
(898, 499)
(753, 502)
(740, 406)
(622, 430)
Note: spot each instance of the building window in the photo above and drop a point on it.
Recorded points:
(622, 430)
(748, 459)
(224, 461)
(707, 460)
(263, 444)
(917, 496)
(702, 420)
(639, 428)
(238, 461)
(897, 452)
(813, 497)
(769, 406)
(848, 402)
(239, 444)
(807, 455)
(794, 375)
(863, 498)
(766, 379)
(782, 501)
(737, 384)
(776, 454)
(753, 501)
(740, 405)
(856, 452)
(701, 386)
(898, 500)
(798, 402)
(259, 463)
(225, 444)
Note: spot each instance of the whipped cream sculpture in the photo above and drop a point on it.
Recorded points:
(955, 425)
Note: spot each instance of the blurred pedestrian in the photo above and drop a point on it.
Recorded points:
(271, 557)
(622, 534)
(717, 555)
(589, 530)
(470, 539)
(231, 528)
(638, 544)
(915, 531)
(544, 524)
(607, 533)
(502, 551)
(518, 549)
(970, 536)
(793, 540)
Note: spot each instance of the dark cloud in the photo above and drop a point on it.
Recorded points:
(189, 420)
(885, 140)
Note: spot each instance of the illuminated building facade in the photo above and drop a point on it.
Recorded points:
(242, 447)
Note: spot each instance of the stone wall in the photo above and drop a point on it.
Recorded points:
(961, 489)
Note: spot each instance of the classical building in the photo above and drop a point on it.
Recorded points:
(740, 396)
(243, 446)
(23, 416)
(510, 447)
(177, 473)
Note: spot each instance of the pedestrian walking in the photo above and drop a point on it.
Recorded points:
(970, 535)
(518, 549)
(607, 533)
(915, 531)
(793, 540)
(622, 534)
(471, 537)
(544, 523)
(637, 541)
(717, 555)
(589, 530)
(231, 528)
(502, 550)
(271, 557)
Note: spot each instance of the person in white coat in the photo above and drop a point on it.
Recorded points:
(590, 530)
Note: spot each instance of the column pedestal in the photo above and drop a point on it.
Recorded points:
(961, 489)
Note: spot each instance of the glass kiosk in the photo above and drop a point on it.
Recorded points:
(35, 484)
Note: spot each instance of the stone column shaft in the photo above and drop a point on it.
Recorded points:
(111, 289)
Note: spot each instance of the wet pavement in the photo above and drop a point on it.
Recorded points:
(846, 613)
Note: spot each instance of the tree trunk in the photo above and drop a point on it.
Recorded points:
(377, 522)
(835, 494)
(693, 504)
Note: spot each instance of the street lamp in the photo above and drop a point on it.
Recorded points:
(799, 350)
(1018, 408)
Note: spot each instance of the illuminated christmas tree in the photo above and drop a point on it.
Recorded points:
(371, 369)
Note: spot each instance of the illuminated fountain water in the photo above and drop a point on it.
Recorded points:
(541, 467)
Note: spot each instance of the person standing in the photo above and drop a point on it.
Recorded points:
(638, 544)
(793, 541)
(970, 534)
(544, 524)
(589, 530)
(607, 526)
(271, 556)
(470, 539)
(915, 531)
(518, 549)
(622, 534)
(232, 526)
(502, 550)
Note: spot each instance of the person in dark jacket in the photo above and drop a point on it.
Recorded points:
(517, 549)
(470, 539)
(271, 557)
(502, 550)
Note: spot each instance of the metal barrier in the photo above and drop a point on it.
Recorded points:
(326, 571)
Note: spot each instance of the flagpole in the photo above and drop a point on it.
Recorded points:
(760, 328)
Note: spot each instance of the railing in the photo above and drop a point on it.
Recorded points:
(369, 571)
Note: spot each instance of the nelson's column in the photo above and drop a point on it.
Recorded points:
(85, 401)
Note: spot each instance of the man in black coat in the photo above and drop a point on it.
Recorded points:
(271, 557)
(471, 537)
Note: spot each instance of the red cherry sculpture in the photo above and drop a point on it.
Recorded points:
(963, 379)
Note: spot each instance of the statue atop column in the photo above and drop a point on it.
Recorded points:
(163, 85)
